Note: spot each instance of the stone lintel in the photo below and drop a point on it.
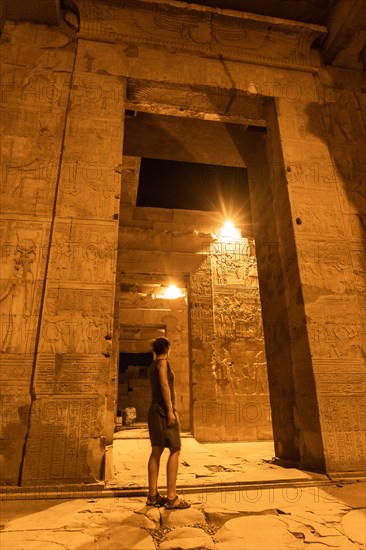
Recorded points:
(215, 33)
(211, 102)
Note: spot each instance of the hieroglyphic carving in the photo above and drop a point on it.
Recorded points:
(240, 374)
(237, 315)
(358, 262)
(343, 117)
(76, 320)
(81, 374)
(327, 226)
(71, 374)
(90, 179)
(83, 252)
(352, 382)
(28, 185)
(352, 416)
(58, 440)
(343, 421)
(73, 358)
(325, 265)
(203, 331)
(32, 122)
(41, 90)
(334, 329)
(202, 326)
(252, 367)
(340, 376)
(12, 366)
(228, 357)
(89, 189)
(319, 212)
(15, 377)
(234, 263)
(14, 407)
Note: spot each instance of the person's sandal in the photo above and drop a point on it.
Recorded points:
(156, 500)
(171, 504)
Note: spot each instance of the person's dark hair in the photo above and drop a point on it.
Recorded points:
(161, 345)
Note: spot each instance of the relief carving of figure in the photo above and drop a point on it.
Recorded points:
(224, 373)
(16, 297)
(261, 379)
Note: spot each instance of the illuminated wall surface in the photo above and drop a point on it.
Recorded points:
(290, 102)
(230, 385)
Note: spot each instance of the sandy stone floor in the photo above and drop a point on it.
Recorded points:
(287, 509)
(310, 518)
(202, 464)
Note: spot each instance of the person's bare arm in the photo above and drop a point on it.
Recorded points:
(164, 384)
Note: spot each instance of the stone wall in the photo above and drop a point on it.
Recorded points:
(310, 246)
(282, 89)
(229, 370)
(328, 202)
(34, 106)
(60, 220)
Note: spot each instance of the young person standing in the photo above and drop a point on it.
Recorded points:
(164, 429)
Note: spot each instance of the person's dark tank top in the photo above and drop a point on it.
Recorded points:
(157, 394)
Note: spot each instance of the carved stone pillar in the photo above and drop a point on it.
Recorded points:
(327, 202)
(36, 73)
(309, 250)
(73, 392)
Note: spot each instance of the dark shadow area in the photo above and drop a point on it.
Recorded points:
(308, 11)
(134, 359)
(341, 125)
(183, 139)
(191, 186)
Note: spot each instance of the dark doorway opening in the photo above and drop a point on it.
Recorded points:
(134, 383)
(134, 359)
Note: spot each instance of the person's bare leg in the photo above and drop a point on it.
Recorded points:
(153, 469)
(172, 472)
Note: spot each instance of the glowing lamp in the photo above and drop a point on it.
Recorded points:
(229, 232)
(171, 293)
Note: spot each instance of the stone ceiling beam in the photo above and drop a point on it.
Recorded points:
(346, 40)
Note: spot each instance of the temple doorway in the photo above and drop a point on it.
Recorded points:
(186, 229)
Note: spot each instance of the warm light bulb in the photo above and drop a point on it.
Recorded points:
(228, 226)
(229, 232)
(171, 293)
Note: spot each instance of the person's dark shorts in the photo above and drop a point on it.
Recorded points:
(160, 434)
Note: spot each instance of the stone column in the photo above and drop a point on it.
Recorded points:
(309, 281)
(274, 244)
(73, 392)
(36, 68)
(327, 204)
